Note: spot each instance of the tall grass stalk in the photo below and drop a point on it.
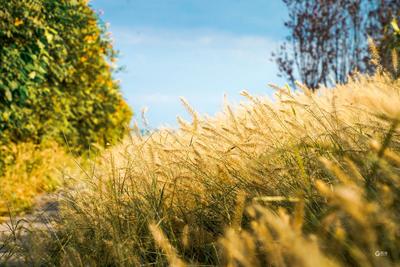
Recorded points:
(283, 182)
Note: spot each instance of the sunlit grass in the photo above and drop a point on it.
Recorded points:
(304, 180)
(30, 171)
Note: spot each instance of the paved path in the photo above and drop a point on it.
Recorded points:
(14, 234)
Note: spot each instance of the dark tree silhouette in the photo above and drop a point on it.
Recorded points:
(328, 39)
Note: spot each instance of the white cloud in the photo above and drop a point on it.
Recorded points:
(149, 36)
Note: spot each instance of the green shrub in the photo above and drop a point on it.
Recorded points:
(56, 65)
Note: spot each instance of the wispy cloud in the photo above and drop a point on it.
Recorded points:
(155, 98)
(197, 37)
(196, 49)
(200, 65)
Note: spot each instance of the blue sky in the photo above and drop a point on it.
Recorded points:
(198, 49)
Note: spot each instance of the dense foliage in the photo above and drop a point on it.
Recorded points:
(56, 65)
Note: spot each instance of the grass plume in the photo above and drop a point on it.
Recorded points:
(289, 182)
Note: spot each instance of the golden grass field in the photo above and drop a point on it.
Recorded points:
(305, 179)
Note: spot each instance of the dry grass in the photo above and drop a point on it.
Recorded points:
(304, 180)
(31, 170)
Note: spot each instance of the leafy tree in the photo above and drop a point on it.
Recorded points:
(56, 66)
(328, 38)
